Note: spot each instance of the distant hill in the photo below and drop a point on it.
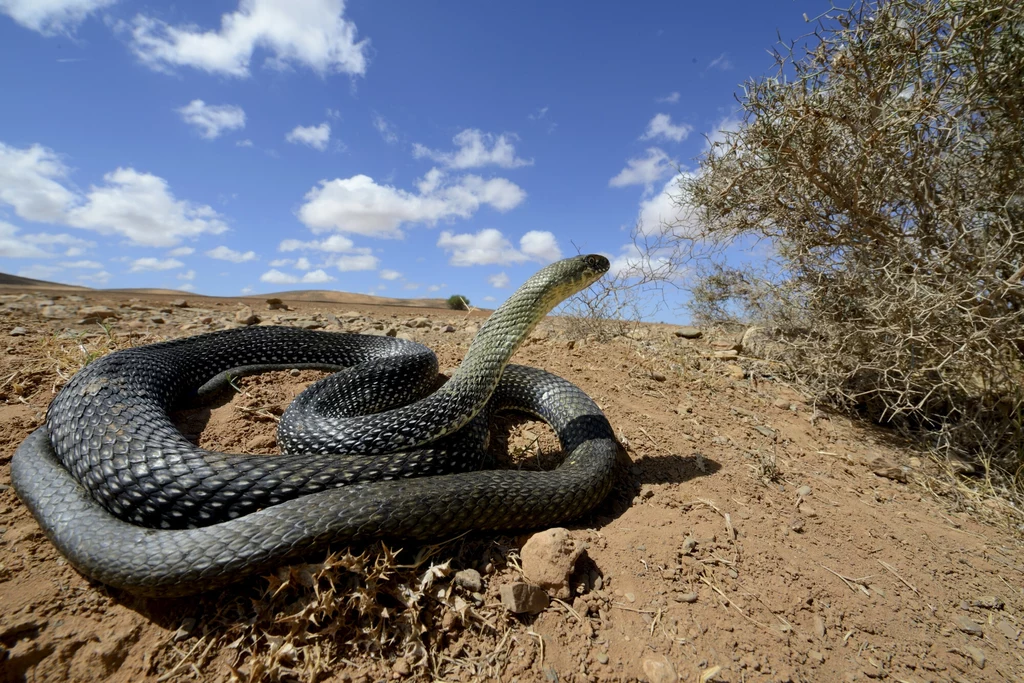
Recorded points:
(334, 297)
(310, 295)
(18, 281)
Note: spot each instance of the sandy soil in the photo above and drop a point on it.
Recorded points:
(749, 538)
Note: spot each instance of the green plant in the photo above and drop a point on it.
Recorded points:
(457, 302)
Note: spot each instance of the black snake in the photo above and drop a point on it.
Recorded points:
(132, 503)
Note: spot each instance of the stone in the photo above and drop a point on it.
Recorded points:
(93, 314)
(733, 371)
(968, 626)
(179, 303)
(894, 473)
(245, 316)
(18, 332)
(548, 559)
(977, 656)
(659, 670)
(469, 579)
(688, 598)
(276, 304)
(524, 598)
(688, 332)
(54, 312)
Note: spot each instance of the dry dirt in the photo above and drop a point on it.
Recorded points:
(749, 538)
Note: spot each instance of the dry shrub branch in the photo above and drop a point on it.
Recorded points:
(883, 163)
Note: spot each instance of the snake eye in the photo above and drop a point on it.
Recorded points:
(597, 262)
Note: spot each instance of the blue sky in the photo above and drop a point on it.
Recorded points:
(401, 149)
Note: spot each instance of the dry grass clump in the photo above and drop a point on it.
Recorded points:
(357, 615)
(882, 164)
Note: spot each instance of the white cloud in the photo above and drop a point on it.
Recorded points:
(136, 205)
(643, 170)
(721, 62)
(538, 115)
(303, 264)
(310, 33)
(436, 288)
(212, 119)
(489, 246)
(187, 275)
(730, 124)
(334, 243)
(92, 265)
(475, 149)
(37, 271)
(29, 182)
(181, 251)
(661, 126)
(354, 262)
(278, 278)
(386, 130)
(51, 16)
(489, 298)
(411, 286)
(14, 246)
(662, 212)
(139, 206)
(281, 262)
(246, 290)
(333, 113)
(316, 276)
(361, 206)
(100, 277)
(226, 254)
(187, 287)
(499, 280)
(671, 98)
(540, 245)
(388, 274)
(316, 137)
(150, 263)
(243, 143)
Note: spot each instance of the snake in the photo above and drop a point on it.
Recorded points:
(373, 451)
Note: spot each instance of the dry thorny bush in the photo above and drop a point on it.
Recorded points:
(882, 163)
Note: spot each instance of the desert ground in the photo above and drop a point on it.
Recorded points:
(750, 536)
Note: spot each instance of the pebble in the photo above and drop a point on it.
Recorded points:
(803, 491)
(686, 597)
(548, 559)
(18, 332)
(602, 657)
(659, 671)
(968, 626)
(245, 316)
(524, 598)
(689, 332)
(469, 579)
(977, 656)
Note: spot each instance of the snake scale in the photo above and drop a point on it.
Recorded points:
(369, 452)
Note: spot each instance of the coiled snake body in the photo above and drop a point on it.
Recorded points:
(132, 503)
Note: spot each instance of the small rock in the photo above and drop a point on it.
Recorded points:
(816, 657)
(659, 671)
(727, 354)
(733, 371)
(92, 314)
(658, 377)
(419, 323)
(602, 657)
(915, 462)
(968, 626)
(548, 559)
(447, 328)
(765, 431)
(276, 304)
(630, 597)
(179, 303)
(245, 316)
(783, 403)
(524, 598)
(469, 579)
(988, 602)
(819, 627)
(689, 332)
(688, 598)
(803, 491)
(977, 656)
(54, 312)
(688, 545)
(401, 667)
(797, 525)
(18, 332)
